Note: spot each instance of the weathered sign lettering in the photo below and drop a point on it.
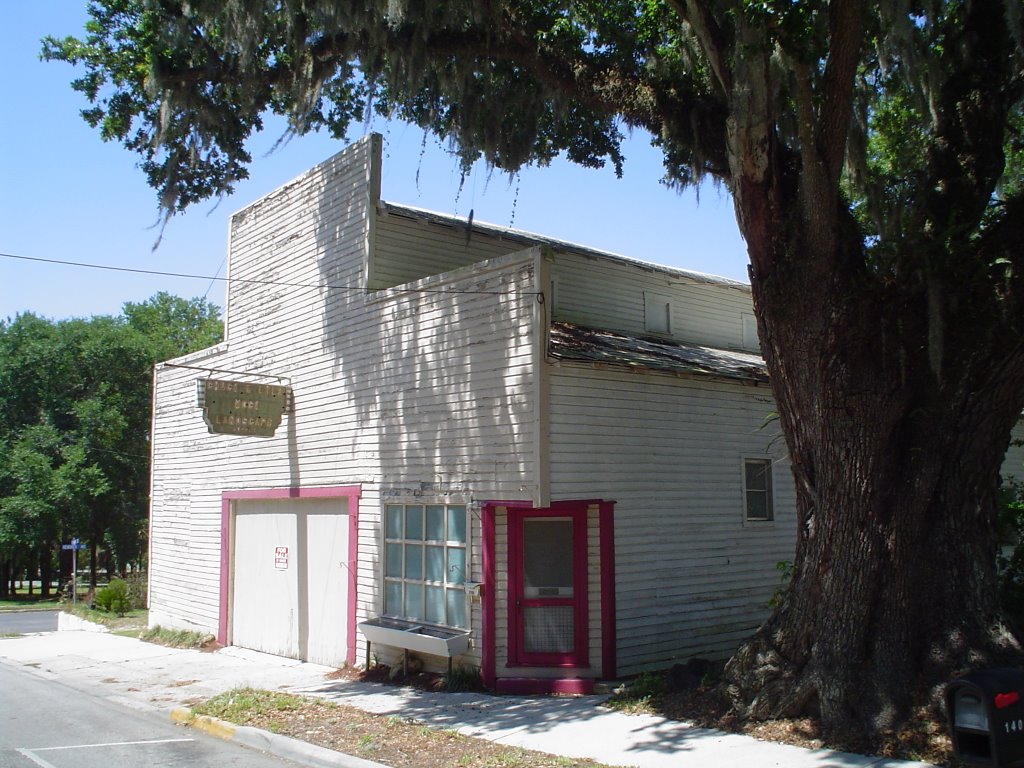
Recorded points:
(243, 408)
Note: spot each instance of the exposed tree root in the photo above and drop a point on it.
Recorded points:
(761, 683)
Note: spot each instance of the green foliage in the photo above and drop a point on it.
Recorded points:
(175, 326)
(74, 423)
(131, 621)
(24, 602)
(1011, 557)
(641, 694)
(113, 598)
(185, 84)
(463, 679)
(175, 638)
(138, 589)
(785, 569)
(242, 704)
(1011, 186)
(647, 686)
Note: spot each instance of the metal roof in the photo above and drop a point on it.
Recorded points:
(577, 344)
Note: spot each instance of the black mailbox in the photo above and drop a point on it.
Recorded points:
(986, 715)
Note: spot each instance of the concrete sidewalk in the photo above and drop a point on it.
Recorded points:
(161, 679)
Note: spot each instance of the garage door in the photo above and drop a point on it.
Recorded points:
(290, 578)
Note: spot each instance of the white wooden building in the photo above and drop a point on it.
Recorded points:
(499, 450)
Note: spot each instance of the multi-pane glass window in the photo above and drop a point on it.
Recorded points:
(757, 488)
(425, 563)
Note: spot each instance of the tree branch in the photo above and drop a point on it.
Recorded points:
(713, 41)
(846, 32)
(596, 83)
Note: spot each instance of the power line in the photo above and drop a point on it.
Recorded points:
(318, 286)
(214, 279)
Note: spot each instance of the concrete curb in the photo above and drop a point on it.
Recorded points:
(265, 741)
(68, 622)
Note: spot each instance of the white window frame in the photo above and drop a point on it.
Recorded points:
(454, 589)
(769, 492)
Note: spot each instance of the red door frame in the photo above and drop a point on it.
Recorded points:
(579, 656)
(488, 666)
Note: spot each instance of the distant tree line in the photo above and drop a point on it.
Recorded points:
(75, 415)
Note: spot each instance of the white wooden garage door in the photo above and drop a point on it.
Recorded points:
(290, 575)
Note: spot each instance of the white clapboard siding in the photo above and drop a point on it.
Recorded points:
(427, 387)
(600, 292)
(693, 577)
(306, 233)
(408, 248)
(369, 565)
(591, 289)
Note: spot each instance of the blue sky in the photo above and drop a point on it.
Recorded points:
(66, 195)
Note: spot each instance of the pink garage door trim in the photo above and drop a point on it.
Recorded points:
(349, 492)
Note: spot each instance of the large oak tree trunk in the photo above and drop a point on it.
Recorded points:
(898, 373)
(897, 405)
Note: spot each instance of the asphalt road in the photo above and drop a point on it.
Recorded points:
(47, 724)
(24, 622)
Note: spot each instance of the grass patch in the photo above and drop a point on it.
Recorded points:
(463, 679)
(241, 705)
(132, 620)
(26, 603)
(641, 696)
(175, 638)
(512, 756)
(132, 633)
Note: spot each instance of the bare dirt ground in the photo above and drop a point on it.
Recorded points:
(398, 743)
(925, 740)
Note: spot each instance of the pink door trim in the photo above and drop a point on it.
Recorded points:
(488, 668)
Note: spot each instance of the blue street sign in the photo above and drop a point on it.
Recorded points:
(75, 544)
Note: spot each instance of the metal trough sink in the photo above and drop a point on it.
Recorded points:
(415, 637)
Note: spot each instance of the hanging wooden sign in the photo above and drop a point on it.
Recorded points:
(243, 408)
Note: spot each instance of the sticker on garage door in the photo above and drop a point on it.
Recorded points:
(281, 558)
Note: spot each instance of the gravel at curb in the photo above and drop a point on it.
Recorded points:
(275, 744)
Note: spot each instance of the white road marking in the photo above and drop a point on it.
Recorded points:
(110, 744)
(37, 760)
(31, 753)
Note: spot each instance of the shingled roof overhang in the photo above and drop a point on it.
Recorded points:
(572, 343)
